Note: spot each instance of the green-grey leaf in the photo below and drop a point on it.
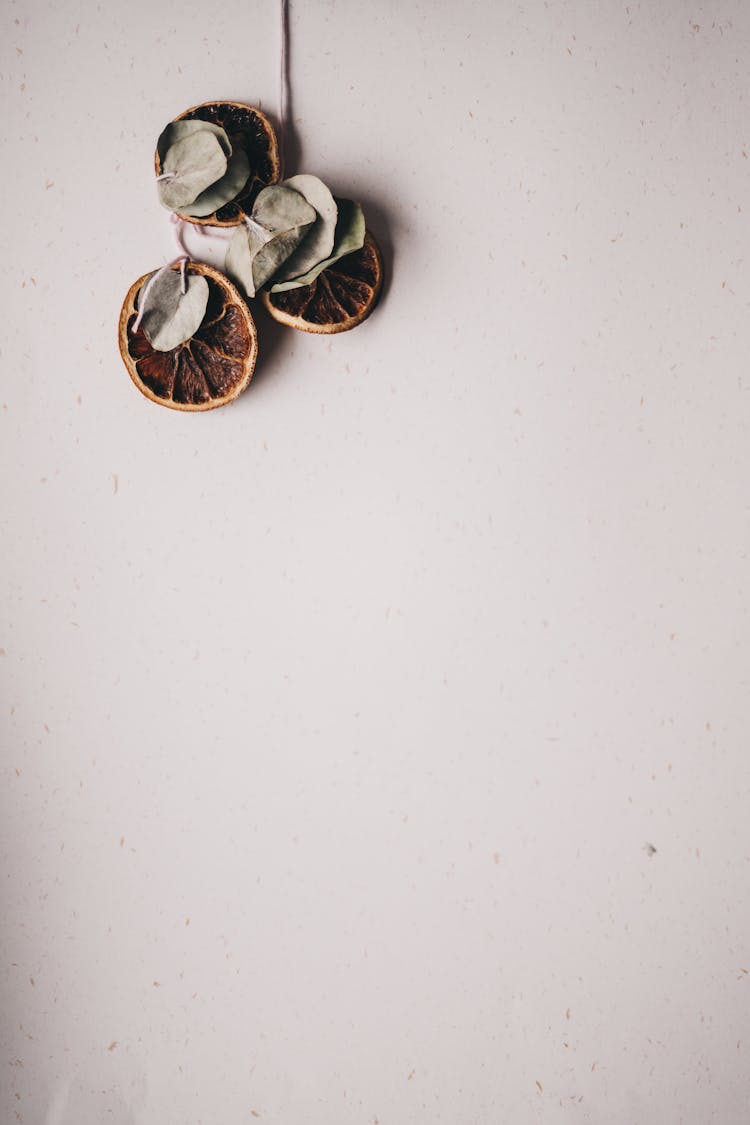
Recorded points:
(280, 220)
(171, 317)
(238, 263)
(254, 255)
(178, 130)
(279, 208)
(318, 244)
(224, 190)
(350, 236)
(195, 162)
(274, 253)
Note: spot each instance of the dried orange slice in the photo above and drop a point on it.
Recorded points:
(339, 298)
(210, 369)
(247, 127)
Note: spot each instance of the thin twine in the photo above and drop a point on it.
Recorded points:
(214, 232)
(283, 84)
(257, 228)
(149, 285)
(178, 226)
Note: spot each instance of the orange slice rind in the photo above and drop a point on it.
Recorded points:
(339, 298)
(210, 369)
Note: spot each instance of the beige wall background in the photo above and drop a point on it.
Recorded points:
(374, 751)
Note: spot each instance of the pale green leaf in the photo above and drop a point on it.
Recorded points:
(195, 162)
(274, 253)
(254, 255)
(350, 236)
(238, 263)
(171, 317)
(224, 190)
(280, 220)
(178, 130)
(280, 208)
(318, 244)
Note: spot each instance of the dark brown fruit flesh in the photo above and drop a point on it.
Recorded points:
(211, 368)
(339, 298)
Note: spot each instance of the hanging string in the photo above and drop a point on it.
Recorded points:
(178, 226)
(283, 84)
(214, 232)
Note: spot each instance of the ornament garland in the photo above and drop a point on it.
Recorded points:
(187, 336)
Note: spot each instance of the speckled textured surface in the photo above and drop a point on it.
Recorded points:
(374, 748)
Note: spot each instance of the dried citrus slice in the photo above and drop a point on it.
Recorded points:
(247, 127)
(210, 369)
(338, 299)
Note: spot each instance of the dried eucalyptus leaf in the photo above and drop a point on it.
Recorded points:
(224, 190)
(280, 220)
(171, 317)
(197, 161)
(279, 208)
(178, 130)
(350, 236)
(275, 252)
(318, 244)
(238, 263)
(254, 255)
